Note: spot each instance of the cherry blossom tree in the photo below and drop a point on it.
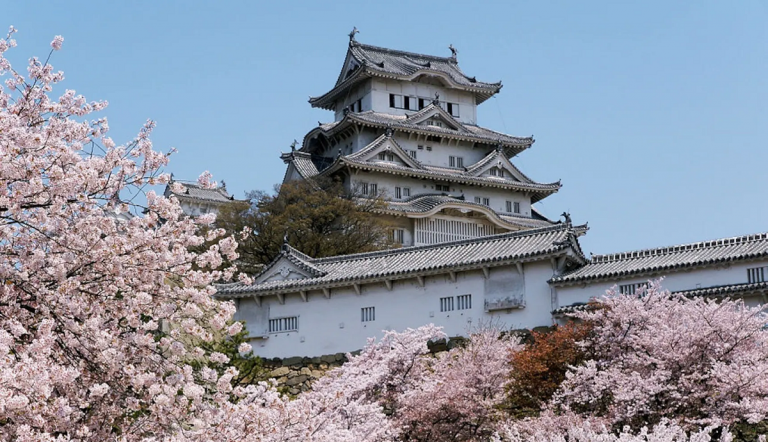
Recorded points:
(84, 288)
(659, 355)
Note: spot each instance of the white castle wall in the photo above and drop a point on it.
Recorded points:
(726, 274)
(334, 325)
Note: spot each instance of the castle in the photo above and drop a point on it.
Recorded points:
(475, 249)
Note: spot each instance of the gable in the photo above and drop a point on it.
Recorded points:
(351, 65)
(497, 166)
(385, 150)
(435, 116)
(281, 270)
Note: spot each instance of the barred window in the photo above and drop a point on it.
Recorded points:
(464, 302)
(756, 274)
(517, 207)
(412, 153)
(631, 289)
(459, 161)
(398, 192)
(367, 314)
(406, 191)
(446, 304)
(396, 235)
(509, 206)
(282, 325)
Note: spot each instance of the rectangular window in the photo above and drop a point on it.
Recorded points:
(396, 235)
(486, 201)
(420, 147)
(406, 192)
(391, 100)
(477, 199)
(464, 302)
(442, 188)
(367, 314)
(459, 161)
(756, 274)
(398, 193)
(282, 325)
(364, 188)
(360, 105)
(452, 161)
(631, 289)
(446, 304)
(453, 109)
(421, 103)
(492, 171)
(412, 153)
(406, 102)
(509, 206)
(382, 156)
(373, 188)
(429, 148)
(517, 207)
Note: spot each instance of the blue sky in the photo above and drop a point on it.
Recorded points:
(654, 114)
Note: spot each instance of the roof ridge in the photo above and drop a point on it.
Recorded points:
(632, 254)
(406, 53)
(520, 233)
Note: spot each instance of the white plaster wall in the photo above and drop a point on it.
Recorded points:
(380, 90)
(334, 325)
(673, 281)
(439, 154)
(498, 197)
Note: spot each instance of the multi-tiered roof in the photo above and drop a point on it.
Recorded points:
(354, 143)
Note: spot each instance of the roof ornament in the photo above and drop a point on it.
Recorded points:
(454, 52)
(436, 100)
(284, 247)
(499, 146)
(338, 155)
(293, 145)
(223, 185)
(567, 217)
(388, 131)
(352, 34)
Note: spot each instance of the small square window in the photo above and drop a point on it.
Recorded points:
(446, 304)
(367, 314)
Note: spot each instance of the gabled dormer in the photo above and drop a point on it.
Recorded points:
(289, 264)
(385, 150)
(435, 116)
(496, 165)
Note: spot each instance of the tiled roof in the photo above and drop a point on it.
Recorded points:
(428, 203)
(573, 308)
(666, 259)
(538, 190)
(411, 261)
(467, 132)
(304, 163)
(727, 290)
(195, 191)
(471, 132)
(375, 61)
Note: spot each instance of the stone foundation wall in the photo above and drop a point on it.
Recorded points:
(296, 375)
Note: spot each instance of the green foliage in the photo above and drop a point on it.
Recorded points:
(319, 218)
(251, 368)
